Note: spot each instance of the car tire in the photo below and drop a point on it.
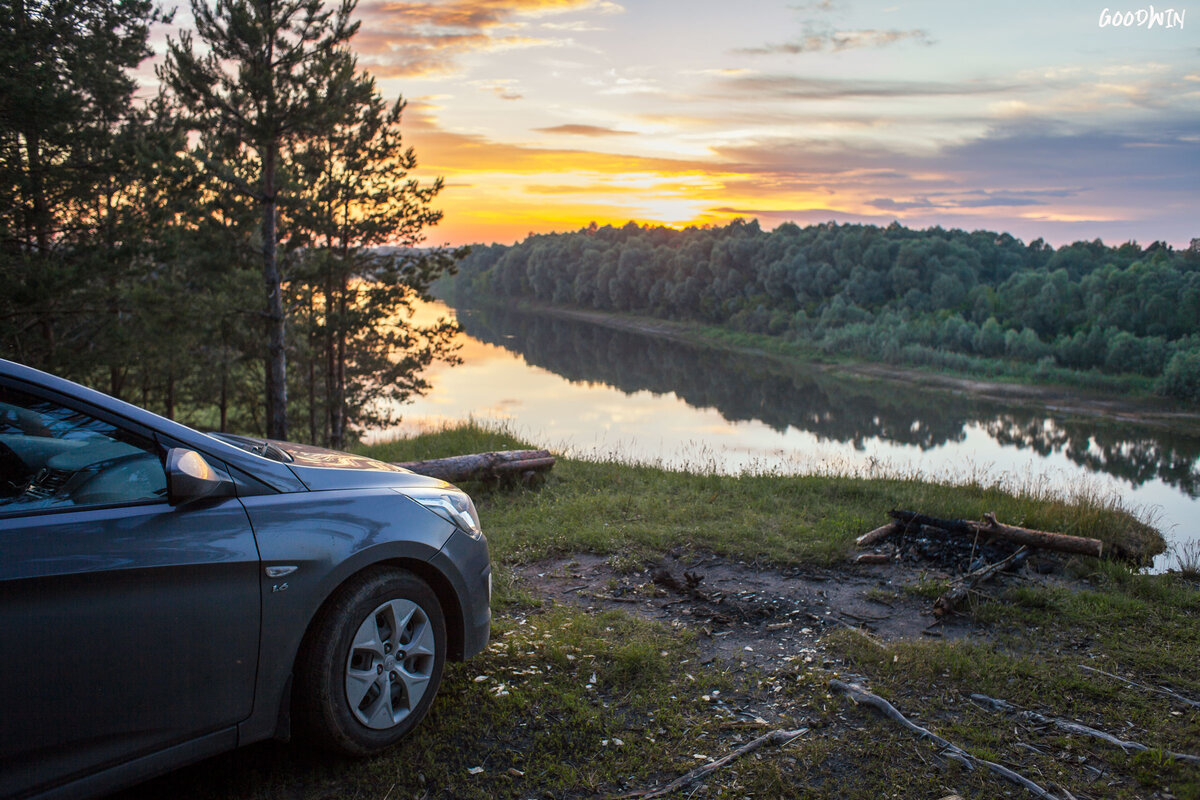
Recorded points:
(371, 663)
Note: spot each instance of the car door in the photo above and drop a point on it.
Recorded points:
(126, 625)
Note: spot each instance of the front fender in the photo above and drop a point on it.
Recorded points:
(327, 537)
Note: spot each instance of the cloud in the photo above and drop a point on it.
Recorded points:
(585, 130)
(502, 87)
(900, 205)
(804, 216)
(474, 154)
(426, 38)
(589, 189)
(795, 87)
(633, 86)
(835, 40)
(1039, 151)
(993, 201)
(574, 26)
(976, 199)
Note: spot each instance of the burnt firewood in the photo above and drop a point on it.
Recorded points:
(1046, 540)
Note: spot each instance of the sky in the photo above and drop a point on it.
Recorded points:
(1027, 117)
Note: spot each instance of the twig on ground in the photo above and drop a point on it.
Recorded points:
(779, 737)
(614, 599)
(1064, 791)
(864, 617)
(967, 583)
(1075, 727)
(950, 750)
(1156, 689)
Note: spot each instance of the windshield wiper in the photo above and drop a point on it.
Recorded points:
(259, 447)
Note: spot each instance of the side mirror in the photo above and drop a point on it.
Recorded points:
(190, 477)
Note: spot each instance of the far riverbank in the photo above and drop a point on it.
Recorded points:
(1135, 407)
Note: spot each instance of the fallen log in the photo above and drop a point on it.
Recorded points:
(524, 465)
(1043, 539)
(1046, 540)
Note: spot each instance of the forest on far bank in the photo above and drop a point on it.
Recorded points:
(1124, 317)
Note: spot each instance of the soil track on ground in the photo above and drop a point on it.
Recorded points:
(757, 616)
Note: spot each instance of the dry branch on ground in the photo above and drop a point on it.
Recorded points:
(949, 750)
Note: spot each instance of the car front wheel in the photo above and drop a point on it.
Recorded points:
(372, 663)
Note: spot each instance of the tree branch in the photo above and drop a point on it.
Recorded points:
(779, 737)
(233, 180)
(861, 695)
(1075, 727)
(1156, 689)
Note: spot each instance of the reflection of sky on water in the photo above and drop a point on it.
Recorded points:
(592, 418)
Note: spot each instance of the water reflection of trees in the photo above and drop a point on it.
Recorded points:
(832, 407)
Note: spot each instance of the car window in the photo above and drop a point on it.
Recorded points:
(55, 457)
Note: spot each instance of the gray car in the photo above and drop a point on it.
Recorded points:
(166, 595)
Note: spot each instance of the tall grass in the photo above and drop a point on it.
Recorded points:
(1187, 558)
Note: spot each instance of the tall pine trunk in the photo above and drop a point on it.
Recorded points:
(224, 400)
(330, 358)
(337, 403)
(276, 351)
(312, 368)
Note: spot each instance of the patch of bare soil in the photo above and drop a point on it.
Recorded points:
(744, 613)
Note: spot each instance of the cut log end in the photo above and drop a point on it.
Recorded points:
(878, 535)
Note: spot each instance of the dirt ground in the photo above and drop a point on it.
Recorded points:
(743, 613)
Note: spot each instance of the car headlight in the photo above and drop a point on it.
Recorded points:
(451, 505)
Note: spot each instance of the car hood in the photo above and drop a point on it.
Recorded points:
(319, 468)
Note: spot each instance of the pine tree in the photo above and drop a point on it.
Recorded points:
(359, 197)
(275, 72)
(69, 173)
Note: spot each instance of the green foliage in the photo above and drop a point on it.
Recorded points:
(357, 282)
(947, 299)
(76, 169)
(271, 75)
(1181, 378)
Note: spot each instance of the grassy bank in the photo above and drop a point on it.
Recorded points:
(575, 701)
(613, 507)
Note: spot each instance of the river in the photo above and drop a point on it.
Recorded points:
(589, 390)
